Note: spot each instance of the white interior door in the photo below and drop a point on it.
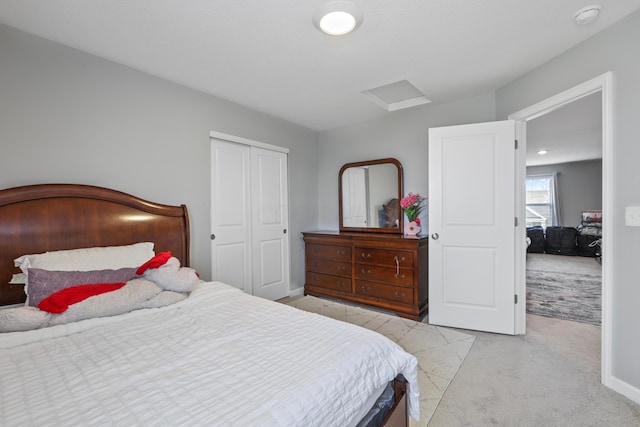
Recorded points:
(230, 219)
(270, 240)
(354, 197)
(472, 225)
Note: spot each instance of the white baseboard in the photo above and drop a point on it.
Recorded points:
(298, 292)
(624, 389)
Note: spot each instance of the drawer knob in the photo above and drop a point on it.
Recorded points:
(366, 271)
(398, 276)
(341, 284)
(365, 256)
(341, 253)
(366, 288)
(399, 295)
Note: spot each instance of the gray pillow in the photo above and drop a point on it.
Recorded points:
(42, 283)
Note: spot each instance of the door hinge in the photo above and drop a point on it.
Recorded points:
(515, 299)
(516, 144)
(515, 221)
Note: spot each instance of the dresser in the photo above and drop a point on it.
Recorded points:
(384, 271)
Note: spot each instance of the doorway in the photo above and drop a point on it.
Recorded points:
(563, 212)
(603, 85)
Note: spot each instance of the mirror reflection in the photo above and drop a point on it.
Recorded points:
(370, 195)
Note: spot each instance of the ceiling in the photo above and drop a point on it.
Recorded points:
(569, 134)
(267, 55)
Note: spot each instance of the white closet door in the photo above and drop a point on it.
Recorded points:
(354, 197)
(249, 218)
(270, 240)
(230, 214)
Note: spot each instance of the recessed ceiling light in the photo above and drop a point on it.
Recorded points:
(587, 14)
(337, 18)
(542, 152)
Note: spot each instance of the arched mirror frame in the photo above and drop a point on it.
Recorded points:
(395, 230)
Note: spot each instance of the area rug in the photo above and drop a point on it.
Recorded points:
(440, 351)
(568, 296)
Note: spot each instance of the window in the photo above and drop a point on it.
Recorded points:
(542, 200)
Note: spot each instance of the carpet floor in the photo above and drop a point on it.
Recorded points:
(567, 289)
(440, 351)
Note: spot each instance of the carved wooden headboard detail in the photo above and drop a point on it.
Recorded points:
(47, 217)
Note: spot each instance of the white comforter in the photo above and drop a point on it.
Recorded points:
(220, 357)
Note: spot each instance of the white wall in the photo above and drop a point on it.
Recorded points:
(615, 49)
(401, 134)
(70, 117)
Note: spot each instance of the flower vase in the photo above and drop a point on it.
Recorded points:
(412, 228)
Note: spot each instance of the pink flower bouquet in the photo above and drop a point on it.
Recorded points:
(412, 206)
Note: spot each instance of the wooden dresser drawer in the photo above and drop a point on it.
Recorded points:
(337, 283)
(388, 292)
(385, 271)
(384, 257)
(342, 253)
(389, 275)
(329, 266)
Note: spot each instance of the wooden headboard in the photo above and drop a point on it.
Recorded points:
(48, 217)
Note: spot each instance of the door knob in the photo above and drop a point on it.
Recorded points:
(435, 236)
(213, 237)
(284, 231)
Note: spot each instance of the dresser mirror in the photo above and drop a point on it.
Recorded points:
(369, 196)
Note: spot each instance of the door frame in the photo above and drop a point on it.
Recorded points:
(266, 146)
(603, 83)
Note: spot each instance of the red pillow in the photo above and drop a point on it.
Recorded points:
(60, 301)
(155, 262)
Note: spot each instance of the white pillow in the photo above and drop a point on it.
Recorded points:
(18, 279)
(86, 259)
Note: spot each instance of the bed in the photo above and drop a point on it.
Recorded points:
(215, 357)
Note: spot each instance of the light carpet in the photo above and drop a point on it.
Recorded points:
(440, 351)
(568, 296)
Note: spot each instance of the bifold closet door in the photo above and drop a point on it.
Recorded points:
(249, 219)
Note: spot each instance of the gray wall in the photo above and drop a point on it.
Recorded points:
(66, 116)
(403, 135)
(614, 49)
(579, 188)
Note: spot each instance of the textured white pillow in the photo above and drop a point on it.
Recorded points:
(86, 259)
(18, 279)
